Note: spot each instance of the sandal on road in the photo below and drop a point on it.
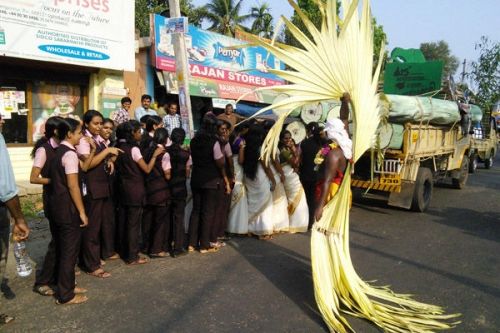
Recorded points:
(44, 290)
(140, 261)
(100, 273)
(79, 290)
(209, 250)
(5, 319)
(78, 299)
(162, 254)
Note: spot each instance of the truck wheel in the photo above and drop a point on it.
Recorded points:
(423, 190)
(488, 163)
(463, 175)
(472, 163)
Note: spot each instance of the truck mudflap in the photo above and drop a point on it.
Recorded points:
(404, 197)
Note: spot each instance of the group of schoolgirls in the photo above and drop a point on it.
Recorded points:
(97, 197)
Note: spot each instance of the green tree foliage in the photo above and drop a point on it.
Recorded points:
(143, 8)
(225, 16)
(440, 51)
(486, 73)
(310, 8)
(379, 36)
(262, 21)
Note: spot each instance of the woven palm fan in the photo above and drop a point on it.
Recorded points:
(338, 58)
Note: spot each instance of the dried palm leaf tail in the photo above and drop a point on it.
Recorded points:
(339, 58)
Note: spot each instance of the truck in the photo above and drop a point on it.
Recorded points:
(407, 173)
(483, 146)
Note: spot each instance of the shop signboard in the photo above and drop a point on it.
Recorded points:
(87, 32)
(217, 68)
(412, 78)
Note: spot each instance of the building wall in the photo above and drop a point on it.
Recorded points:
(136, 82)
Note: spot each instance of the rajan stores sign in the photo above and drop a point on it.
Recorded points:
(94, 33)
(215, 66)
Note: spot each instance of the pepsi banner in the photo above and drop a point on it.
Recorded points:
(214, 60)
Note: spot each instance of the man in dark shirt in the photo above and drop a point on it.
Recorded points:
(309, 147)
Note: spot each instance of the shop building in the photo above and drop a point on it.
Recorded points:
(60, 58)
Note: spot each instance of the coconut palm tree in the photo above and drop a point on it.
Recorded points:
(263, 21)
(225, 16)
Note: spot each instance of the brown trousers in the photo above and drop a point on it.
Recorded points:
(67, 236)
(202, 217)
(154, 228)
(176, 230)
(129, 228)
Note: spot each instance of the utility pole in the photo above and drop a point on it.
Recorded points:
(463, 71)
(182, 72)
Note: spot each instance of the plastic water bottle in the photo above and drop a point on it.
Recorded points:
(23, 263)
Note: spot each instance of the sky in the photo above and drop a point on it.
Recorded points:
(408, 23)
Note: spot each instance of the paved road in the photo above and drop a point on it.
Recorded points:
(447, 256)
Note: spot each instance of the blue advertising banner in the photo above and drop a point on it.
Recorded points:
(213, 58)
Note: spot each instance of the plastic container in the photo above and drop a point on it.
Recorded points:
(23, 261)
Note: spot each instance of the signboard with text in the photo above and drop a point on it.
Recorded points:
(219, 69)
(86, 32)
(412, 78)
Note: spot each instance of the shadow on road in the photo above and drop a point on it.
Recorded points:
(485, 225)
(287, 270)
(495, 292)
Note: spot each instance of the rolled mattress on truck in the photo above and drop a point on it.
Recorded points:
(390, 136)
(417, 109)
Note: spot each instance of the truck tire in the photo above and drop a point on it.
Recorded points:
(488, 163)
(473, 163)
(463, 175)
(423, 190)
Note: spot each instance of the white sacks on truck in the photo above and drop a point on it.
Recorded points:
(417, 109)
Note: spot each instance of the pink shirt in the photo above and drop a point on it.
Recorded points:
(166, 165)
(227, 150)
(70, 160)
(136, 154)
(218, 151)
(165, 162)
(83, 147)
(41, 155)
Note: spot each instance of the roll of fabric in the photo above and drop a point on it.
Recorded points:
(311, 112)
(298, 131)
(391, 136)
(281, 97)
(422, 109)
(476, 114)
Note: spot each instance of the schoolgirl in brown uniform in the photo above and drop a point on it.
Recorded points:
(97, 195)
(208, 177)
(217, 236)
(180, 170)
(43, 152)
(156, 212)
(66, 210)
(130, 167)
(108, 228)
